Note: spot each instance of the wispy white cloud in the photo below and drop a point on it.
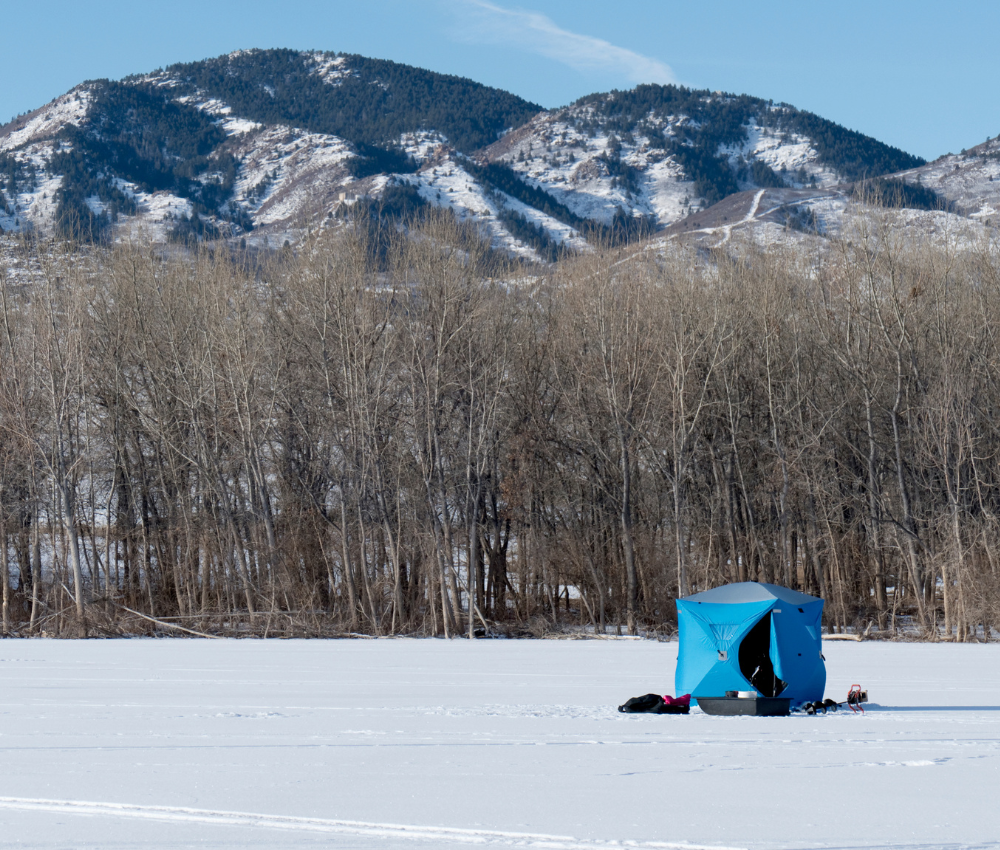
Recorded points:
(485, 22)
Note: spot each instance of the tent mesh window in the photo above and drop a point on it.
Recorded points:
(755, 659)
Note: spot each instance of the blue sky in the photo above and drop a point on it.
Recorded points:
(918, 75)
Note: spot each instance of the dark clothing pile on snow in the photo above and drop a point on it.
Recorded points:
(655, 704)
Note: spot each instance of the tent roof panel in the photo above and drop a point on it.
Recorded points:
(751, 591)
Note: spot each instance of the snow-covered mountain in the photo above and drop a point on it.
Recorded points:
(665, 151)
(260, 145)
(257, 144)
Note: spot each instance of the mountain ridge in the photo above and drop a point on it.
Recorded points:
(262, 144)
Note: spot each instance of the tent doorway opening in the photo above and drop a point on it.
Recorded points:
(755, 659)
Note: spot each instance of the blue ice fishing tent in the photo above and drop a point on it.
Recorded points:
(750, 636)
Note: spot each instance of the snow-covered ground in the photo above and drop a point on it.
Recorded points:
(409, 743)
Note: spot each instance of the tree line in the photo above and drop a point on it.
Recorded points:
(386, 435)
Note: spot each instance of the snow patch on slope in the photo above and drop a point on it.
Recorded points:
(789, 155)
(222, 112)
(551, 153)
(70, 108)
(444, 182)
(970, 180)
(556, 157)
(288, 175)
(918, 227)
(156, 214)
(331, 69)
(33, 206)
(423, 146)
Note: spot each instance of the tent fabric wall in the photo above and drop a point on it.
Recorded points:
(713, 624)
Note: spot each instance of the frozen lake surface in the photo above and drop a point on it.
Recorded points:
(456, 744)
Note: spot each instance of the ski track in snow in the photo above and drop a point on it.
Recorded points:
(484, 837)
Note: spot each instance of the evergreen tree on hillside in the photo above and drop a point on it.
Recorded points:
(372, 102)
(139, 134)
